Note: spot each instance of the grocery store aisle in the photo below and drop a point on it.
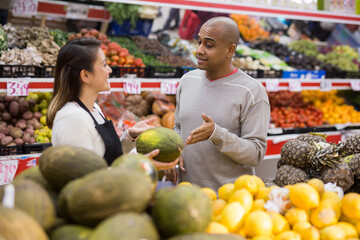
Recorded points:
(159, 23)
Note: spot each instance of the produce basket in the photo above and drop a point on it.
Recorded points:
(121, 71)
(46, 71)
(19, 71)
(165, 72)
(23, 149)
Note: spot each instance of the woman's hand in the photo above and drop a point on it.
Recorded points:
(141, 126)
(161, 165)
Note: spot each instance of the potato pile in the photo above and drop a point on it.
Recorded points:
(17, 122)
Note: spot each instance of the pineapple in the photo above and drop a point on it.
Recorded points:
(355, 187)
(350, 146)
(341, 174)
(287, 174)
(309, 137)
(268, 182)
(354, 165)
(309, 155)
(280, 163)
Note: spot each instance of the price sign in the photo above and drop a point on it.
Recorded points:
(77, 11)
(132, 86)
(295, 85)
(25, 7)
(169, 86)
(18, 87)
(7, 171)
(272, 85)
(355, 85)
(325, 86)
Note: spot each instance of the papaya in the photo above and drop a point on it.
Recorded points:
(126, 226)
(15, 224)
(183, 209)
(138, 162)
(33, 199)
(105, 192)
(166, 140)
(61, 164)
(71, 232)
(64, 197)
(207, 236)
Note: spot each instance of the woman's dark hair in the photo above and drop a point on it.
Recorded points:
(76, 55)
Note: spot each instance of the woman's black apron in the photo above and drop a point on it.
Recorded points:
(108, 134)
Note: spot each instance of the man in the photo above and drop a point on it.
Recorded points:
(222, 114)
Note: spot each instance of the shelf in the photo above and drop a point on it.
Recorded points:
(232, 6)
(59, 9)
(154, 84)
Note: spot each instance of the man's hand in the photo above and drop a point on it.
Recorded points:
(203, 132)
(171, 173)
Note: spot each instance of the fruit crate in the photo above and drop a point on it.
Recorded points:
(165, 72)
(23, 149)
(18, 71)
(46, 71)
(122, 71)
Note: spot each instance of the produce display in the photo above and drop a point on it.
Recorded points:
(249, 29)
(94, 201)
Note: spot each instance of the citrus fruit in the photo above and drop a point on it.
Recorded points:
(323, 216)
(329, 195)
(332, 232)
(184, 183)
(300, 226)
(311, 233)
(210, 193)
(226, 190)
(304, 196)
(249, 182)
(215, 227)
(350, 205)
(288, 235)
(280, 223)
(218, 206)
(244, 197)
(349, 229)
(258, 223)
(232, 216)
(317, 184)
(263, 193)
(258, 205)
(294, 215)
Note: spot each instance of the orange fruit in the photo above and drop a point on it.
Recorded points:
(210, 193)
(244, 197)
(304, 196)
(215, 227)
(350, 205)
(226, 190)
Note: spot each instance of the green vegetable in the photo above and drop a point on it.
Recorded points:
(60, 37)
(3, 40)
(121, 12)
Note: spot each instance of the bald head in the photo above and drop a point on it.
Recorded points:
(226, 27)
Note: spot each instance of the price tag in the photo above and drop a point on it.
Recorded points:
(355, 85)
(7, 171)
(18, 87)
(272, 85)
(132, 86)
(295, 85)
(25, 7)
(77, 11)
(169, 86)
(325, 86)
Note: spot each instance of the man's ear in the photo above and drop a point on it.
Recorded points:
(231, 50)
(84, 75)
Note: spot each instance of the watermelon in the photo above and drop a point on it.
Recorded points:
(166, 140)
(138, 162)
(106, 192)
(71, 232)
(126, 226)
(207, 236)
(61, 164)
(18, 225)
(33, 199)
(183, 209)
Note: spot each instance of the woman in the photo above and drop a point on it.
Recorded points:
(81, 73)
